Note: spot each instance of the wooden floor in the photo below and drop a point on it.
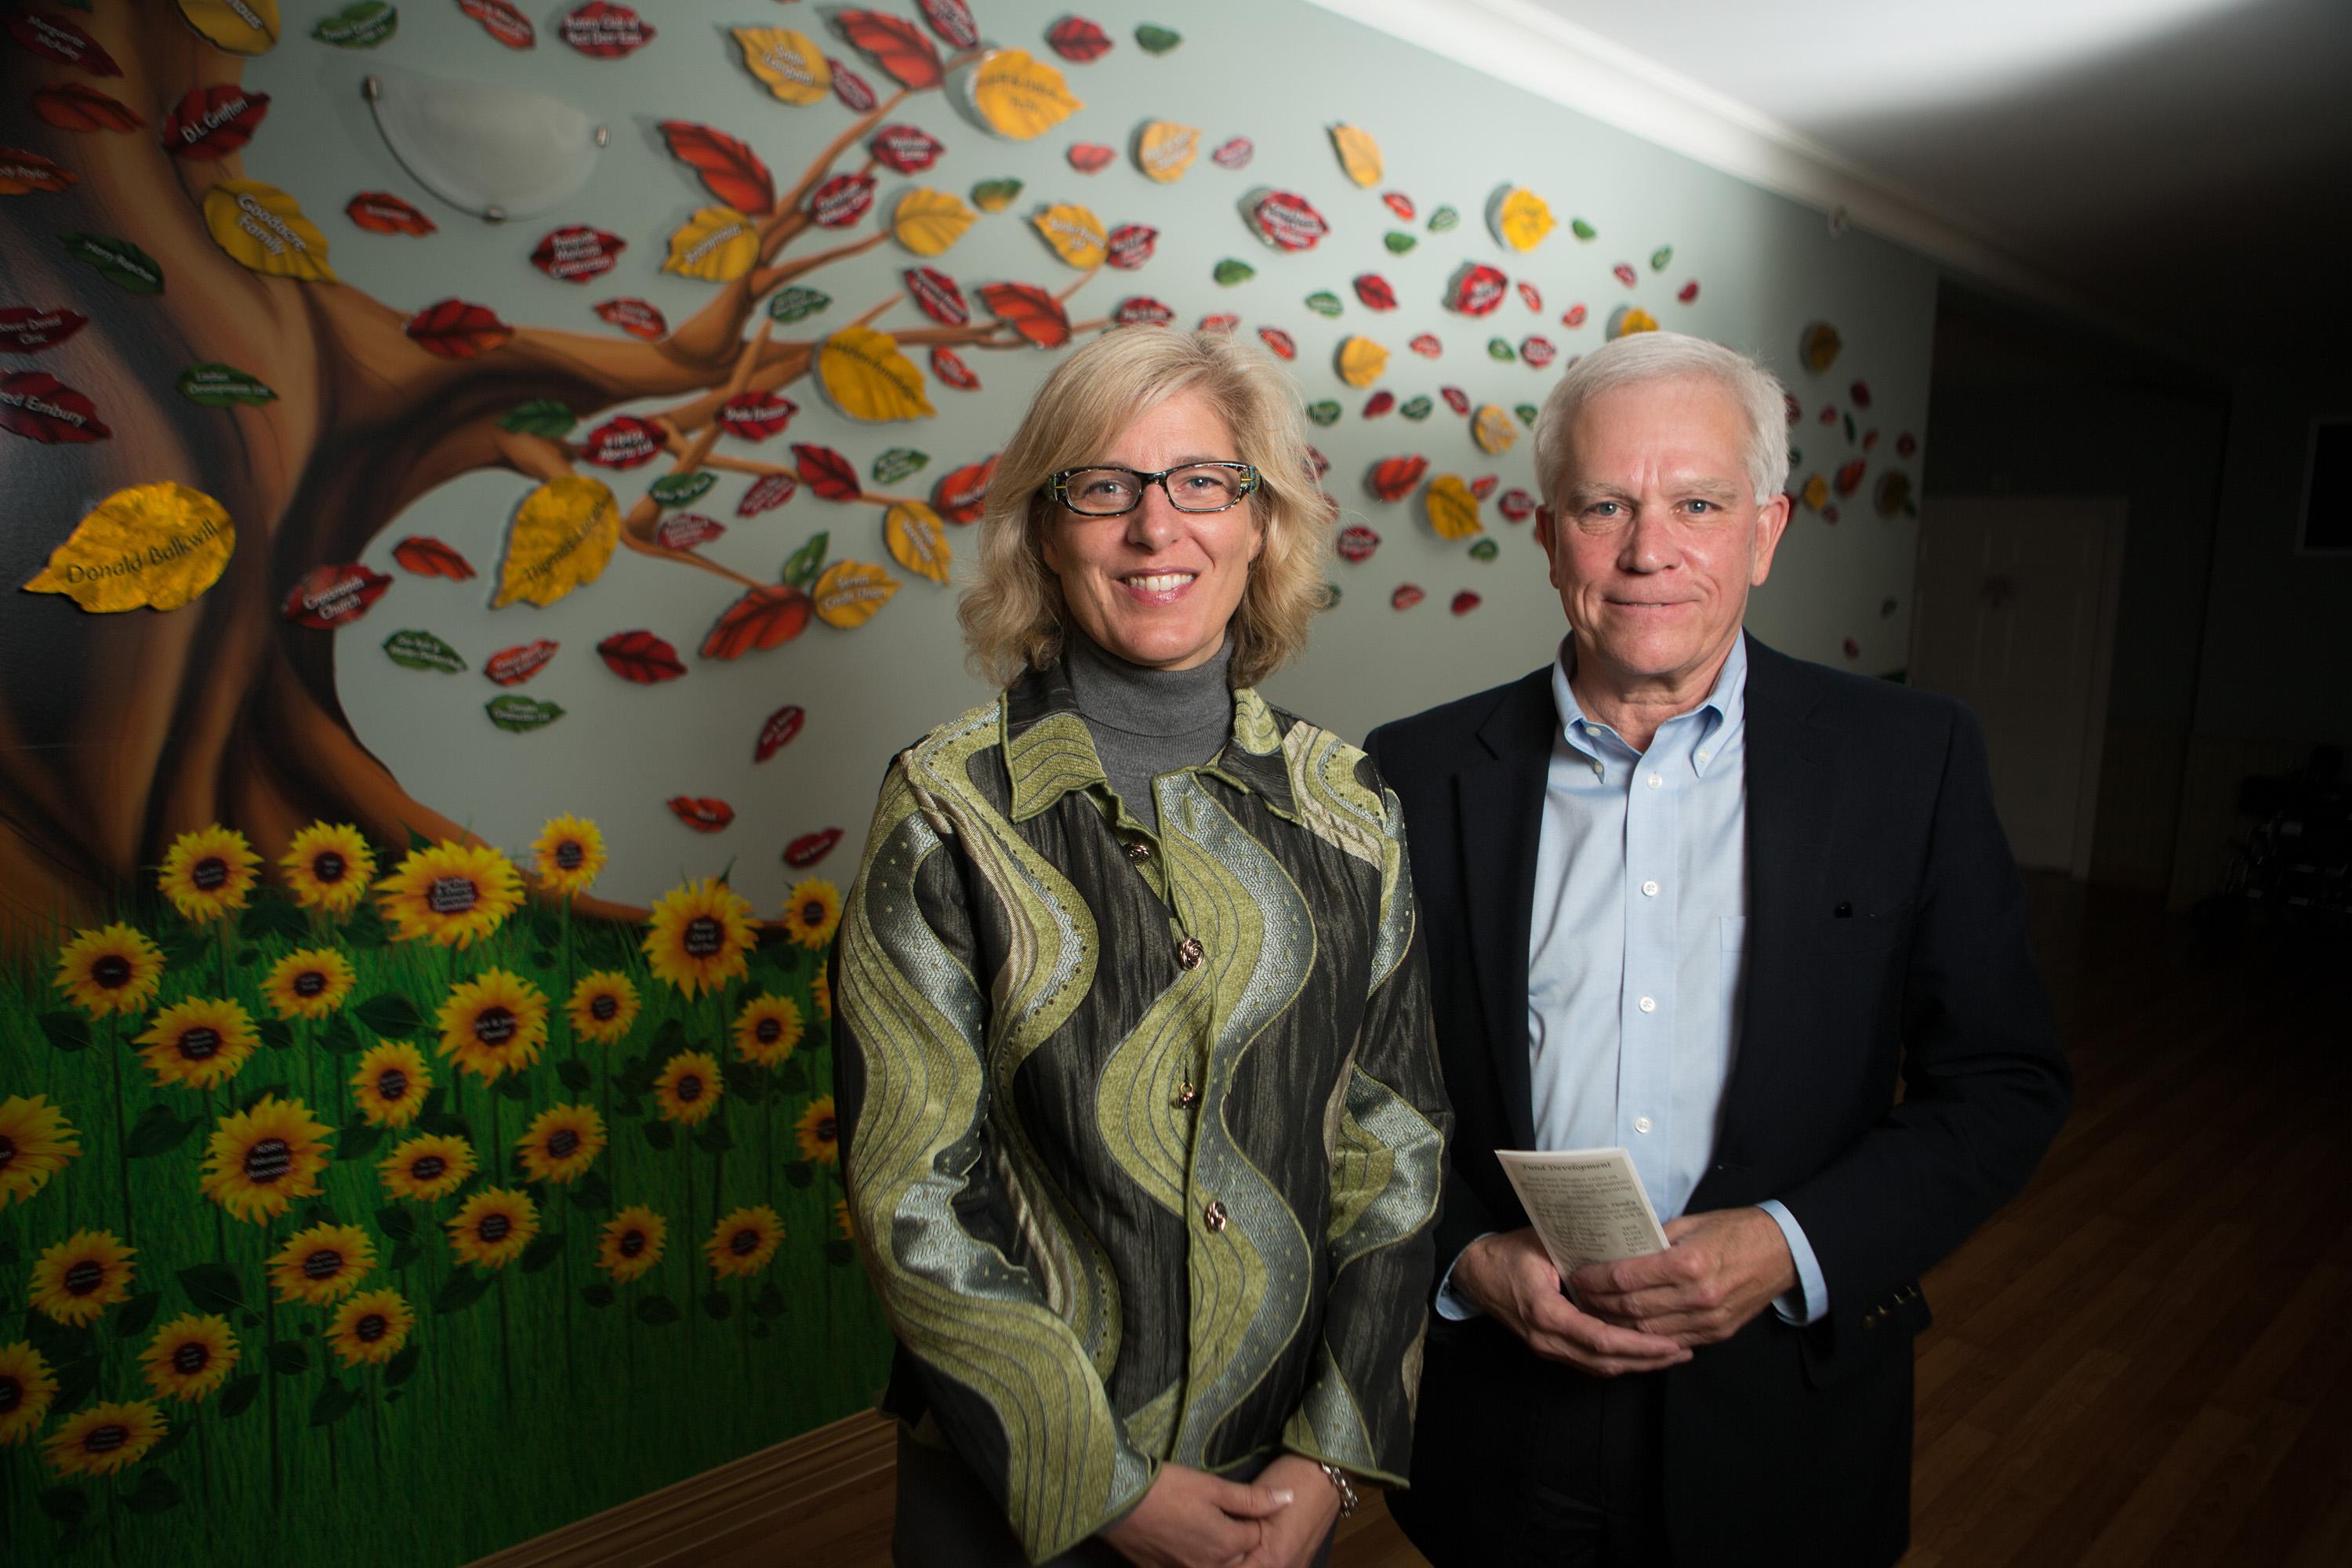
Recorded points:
(2145, 1358)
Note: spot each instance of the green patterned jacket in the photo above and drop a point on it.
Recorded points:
(1123, 1210)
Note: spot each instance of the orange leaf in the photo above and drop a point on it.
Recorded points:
(763, 618)
(894, 44)
(428, 557)
(70, 106)
(1029, 310)
(729, 170)
(455, 330)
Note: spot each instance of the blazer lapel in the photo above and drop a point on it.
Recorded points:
(1500, 805)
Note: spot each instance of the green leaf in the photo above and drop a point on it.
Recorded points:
(745, 1082)
(219, 385)
(238, 1396)
(412, 650)
(67, 1505)
(396, 1222)
(462, 1292)
(276, 1033)
(677, 490)
(661, 1134)
(118, 261)
(591, 1193)
(1398, 242)
(401, 1366)
(803, 565)
(360, 27)
(361, 1138)
(446, 1123)
(520, 715)
(720, 1305)
(157, 1131)
(77, 1380)
(544, 1249)
(268, 917)
(391, 1014)
(1499, 349)
(598, 1294)
(793, 1077)
(1324, 302)
(288, 1358)
(1581, 229)
(1154, 40)
(254, 1096)
(1527, 412)
(1661, 256)
(656, 1311)
(213, 1287)
(800, 1173)
(1330, 595)
(365, 928)
(155, 1493)
(1484, 550)
(334, 1402)
(1443, 219)
(541, 416)
(339, 1038)
(404, 1256)
(182, 1428)
(1230, 272)
(1416, 408)
(714, 1138)
(798, 304)
(769, 1302)
(575, 1075)
(839, 1253)
(897, 463)
(995, 196)
(135, 1314)
(1324, 413)
(512, 1087)
(66, 1031)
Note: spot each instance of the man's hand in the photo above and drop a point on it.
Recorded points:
(1510, 1275)
(1296, 1534)
(1719, 1269)
(1189, 1519)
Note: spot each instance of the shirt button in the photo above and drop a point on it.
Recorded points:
(1640, 1124)
(1649, 890)
(1138, 851)
(1186, 1094)
(1213, 1216)
(1703, 756)
(1649, 1003)
(1655, 782)
(1189, 953)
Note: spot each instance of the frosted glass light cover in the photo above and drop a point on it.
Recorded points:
(498, 151)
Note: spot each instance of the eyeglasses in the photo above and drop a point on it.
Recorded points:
(1106, 491)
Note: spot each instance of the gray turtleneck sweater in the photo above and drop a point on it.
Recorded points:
(1145, 721)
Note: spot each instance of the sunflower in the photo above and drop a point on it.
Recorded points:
(25, 1390)
(494, 1023)
(698, 935)
(192, 1357)
(493, 1227)
(35, 1142)
(821, 992)
(819, 1132)
(567, 854)
(811, 910)
(200, 1042)
(841, 1219)
(631, 1243)
(743, 1243)
(208, 872)
(767, 1029)
(261, 1159)
(451, 893)
(371, 1327)
(113, 969)
(603, 1006)
(561, 1141)
(105, 1438)
(689, 1087)
(309, 984)
(82, 1276)
(427, 1168)
(322, 1264)
(392, 1083)
(328, 866)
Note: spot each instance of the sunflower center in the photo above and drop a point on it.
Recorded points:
(562, 1142)
(826, 1130)
(309, 983)
(371, 1328)
(268, 1161)
(768, 1031)
(7, 1149)
(83, 1278)
(111, 972)
(391, 1084)
(328, 866)
(631, 1243)
(495, 1226)
(452, 895)
(570, 854)
(689, 1088)
(427, 1168)
(703, 937)
(604, 1008)
(744, 1242)
(191, 1358)
(813, 913)
(106, 1439)
(323, 1264)
(209, 874)
(12, 1394)
(200, 1044)
(495, 1025)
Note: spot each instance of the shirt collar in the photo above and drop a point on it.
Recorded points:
(1722, 710)
(1049, 752)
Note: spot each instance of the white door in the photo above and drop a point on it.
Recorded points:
(2013, 613)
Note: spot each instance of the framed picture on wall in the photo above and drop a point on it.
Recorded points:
(2327, 490)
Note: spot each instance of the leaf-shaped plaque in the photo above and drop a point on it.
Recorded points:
(850, 592)
(156, 545)
(641, 656)
(826, 472)
(74, 106)
(564, 534)
(457, 330)
(1029, 310)
(729, 170)
(867, 378)
(896, 46)
(1164, 149)
(717, 244)
(1074, 232)
(803, 565)
(765, 617)
(1020, 96)
(917, 541)
(262, 228)
(1453, 510)
(235, 26)
(1520, 218)
(1359, 155)
(1362, 360)
(791, 66)
(928, 222)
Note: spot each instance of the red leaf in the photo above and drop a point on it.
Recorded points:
(1379, 403)
(1079, 40)
(1143, 310)
(1573, 316)
(578, 253)
(856, 94)
(1321, 463)
(1393, 479)
(1091, 157)
(327, 596)
(904, 150)
(810, 848)
(826, 472)
(1476, 289)
(729, 170)
(1405, 597)
(1427, 345)
(381, 212)
(686, 530)
(513, 665)
(948, 366)
(21, 172)
(756, 416)
(1223, 321)
(1234, 154)
(623, 441)
(26, 331)
(1536, 352)
(1357, 542)
(1688, 292)
(1399, 204)
(1516, 505)
(703, 813)
(1030, 312)
(1484, 485)
(1623, 272)
(772, 492)
(778, 731)
(38, 406)
(455, 330)
(959, 496)
(1530, 295)
(1288, 221)
(1455, 398)
(1906, 444)
(502, 22)
(896, 46)
(1374, 291)
(1280, 341)
(55, 38)
(763, 618)
(842, 200)
(430, 558)
(640, 657)
(1131, 245)
(1860, 392)
(938, 297)
(1849, 478)
(952, 20)
(70, 106)
(606, 32)
(1465, 602)
(635, 317)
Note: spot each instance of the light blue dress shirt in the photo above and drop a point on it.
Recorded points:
(1636, 947)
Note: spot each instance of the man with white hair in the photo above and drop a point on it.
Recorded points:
(1752, 920)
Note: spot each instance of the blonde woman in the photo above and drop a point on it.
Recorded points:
(1141, 1119)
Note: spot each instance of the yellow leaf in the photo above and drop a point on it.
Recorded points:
(716, 243)
(1359, 155)
(157, 545)
(238, 26)
(1491, 428)
(793, 68)
(927, 222)
(867, 378)
(1816, 493)
(1630, 319)
(1453, 510)
(262, 227)
(850, 592)
(1075, 234)
(1166, 150)
(1521, 218)
(917, 541)
(1362, 362)
(564, 534)
(1019, 96)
